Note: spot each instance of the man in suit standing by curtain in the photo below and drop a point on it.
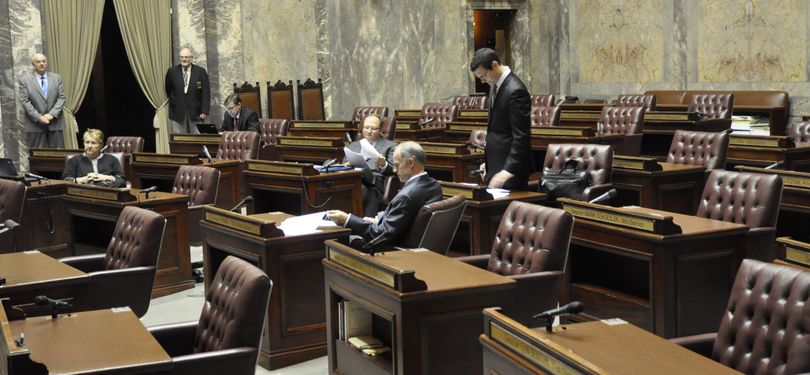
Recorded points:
(508, 151)
(42, 97)
(189, 94)
(237, 117)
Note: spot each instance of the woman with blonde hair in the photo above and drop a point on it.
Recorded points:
(93, 167)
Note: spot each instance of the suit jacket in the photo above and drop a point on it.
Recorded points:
(35, 104)
(508, 134)
(80, 166)
(400, 213)
(248, 120)
(198, 98)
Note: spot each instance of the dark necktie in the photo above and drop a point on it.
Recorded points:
(236, 124)
(44, 85)
(493, 91)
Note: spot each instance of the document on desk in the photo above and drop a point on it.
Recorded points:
(369, 152)
(498, 193)
(355, 159)
(305, 224)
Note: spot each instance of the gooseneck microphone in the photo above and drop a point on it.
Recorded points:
(104, 149)
(426, 122)
(55, 304)
(374, 244)
(148, 190)
(206, 153)
(477, 172)
(8, 225)
(476, 146)
(610, 194)
(774, 165)
(241, 203)
(574, 307)
(35, 176)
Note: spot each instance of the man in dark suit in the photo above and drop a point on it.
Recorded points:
(237, 117)
(42, 97)
(189, 94)
(374, 172)
(418, 189)
(508, 150)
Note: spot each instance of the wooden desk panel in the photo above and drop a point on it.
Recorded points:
(40, 222)
(50, 162)
(297, 194)
(230, 191)
(192, 143)
(307, 154)
(419, 135)
(454, 168)
(675, 188)
(794, 210)
(31, 273)
(797, 158)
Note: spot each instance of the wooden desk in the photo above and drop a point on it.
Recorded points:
(665, 272)
(426, 307)
(323, 129)
(31, 273)
(99, 342)
(296, 326)
(42, 210)
(161, 169)
(542, 136)
(481, 216)
(296, 187)
(410, 131)
(585, 348)
(451, 161)
(50, 162)
(761, 151)
(309, 149)
(662, 186)
(794, 210)
(459, 131)
(659, 127)
(192, 143)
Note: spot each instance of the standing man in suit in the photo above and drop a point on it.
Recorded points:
(189, 94)
(508, 151)
(237, 117)
(418, 189)
(42, 97)
(373, 176)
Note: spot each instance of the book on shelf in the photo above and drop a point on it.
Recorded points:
(354, 320)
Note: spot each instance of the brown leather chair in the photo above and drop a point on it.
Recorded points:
(226, 338)
(543, 100)
(12, 199)
(545, 116)
(201, 184)
(440, 112)
(596, 159)
(636, 100)
(359, 113)
(699, 148)
(280, 101)
(125, 274)
(478, 138)
(713, 105)
(269, 130)
(387, 127)
(435, 225)
(250, 95)
(127, 145)
(471, 102)
(531, 247)
(745, 198)
(799, 133)
(238, 145)
(764, 329)
(628, 121)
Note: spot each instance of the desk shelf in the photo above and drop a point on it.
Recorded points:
(351, 360)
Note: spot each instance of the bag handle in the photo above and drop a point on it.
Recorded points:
(570, 164)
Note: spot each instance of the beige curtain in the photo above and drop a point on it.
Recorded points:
(72, 33)
(146, 28)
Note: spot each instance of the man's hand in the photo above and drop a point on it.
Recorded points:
(371, 220)
(49, 116)
(381, 161)
(203, 116)
(337, 216)
(499, 179)
(44, 120)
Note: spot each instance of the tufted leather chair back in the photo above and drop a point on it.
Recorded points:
(359, 113)
(799, 133)
(545, 116)
(543, 100)
(238, 145)
(596, 159)
(765, 329)
(127, 145)
(235, 307)
(471, 102)
(271, 128)
(12, 199)
(713, 105)
(441, 112)
(744, 198)
(621, 120)
(636, 100)
(699, 148)
(478, 137)
(531, 238)
(199, 182)
(136, 239)
(435, 224)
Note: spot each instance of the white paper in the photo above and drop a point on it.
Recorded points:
(369, 152)
(305, 224)
(498, 193)
(355, 160)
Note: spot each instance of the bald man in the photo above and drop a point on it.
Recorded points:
(42, 97)
(189, 94)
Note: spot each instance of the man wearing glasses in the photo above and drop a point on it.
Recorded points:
(374, 172)
(189, 94)
(238, 118)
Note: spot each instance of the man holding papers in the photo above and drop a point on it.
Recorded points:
(375, 155)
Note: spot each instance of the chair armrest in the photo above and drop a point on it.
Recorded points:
(701, 344)
(538, 276)
(240, 360)
(480, 261)
(176, 338)
(763, 231)
(85, 263)
(594, 191)
(121, 287)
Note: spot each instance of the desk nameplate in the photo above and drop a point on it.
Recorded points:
(52, 153)
(531, 352)
(408, 113)
(322, 125)
(242, 223)
(636, 163)
(202, 139)
(580, 115)
(670, 116)
(564, 131)
(402, 281)
(407, 125)
(797, 256)
(166, 159)
(471, 192)
(445, 148)
(466, 127)
(662, 225)
(309, 141)
(289, 168)
(761, 141)
(792, 179)
(106, 194)
(473, 113)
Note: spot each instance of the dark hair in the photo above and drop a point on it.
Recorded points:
(484, 58)
(233, 99)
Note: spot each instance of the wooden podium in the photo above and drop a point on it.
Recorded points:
(296, 327)
(426, 307)
(665, 272)
(593, 348)
(659, 185)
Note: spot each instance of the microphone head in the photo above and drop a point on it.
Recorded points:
(575, 307)
(248, 199)
(42, 301)
(10, 224)
(613, 193)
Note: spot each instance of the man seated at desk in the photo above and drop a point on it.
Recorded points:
(237, 117)
(418, 189)
(93, 167)
(374, 172)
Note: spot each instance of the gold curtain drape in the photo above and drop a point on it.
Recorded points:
(72, 33)
(146, 29)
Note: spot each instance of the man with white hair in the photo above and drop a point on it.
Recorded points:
(189, 94)
(42, 97)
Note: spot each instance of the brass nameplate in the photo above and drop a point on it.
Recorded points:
(409, 113)
(363, 268)
(473, 113)
(58, 154)
(161, 159)
(451, 191)
(579, 116)
(275, 168)
(466, 127)
(430, 149)
(529, 351)
(406, 125)
(91, 193)
(611, 218)
(802, 182)
(547, 130)
(752, 141)
(628, 164)
(305, 142)
(197, 139)
(667, 116)
(797, 256)
(320, 125)
(230, 222)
